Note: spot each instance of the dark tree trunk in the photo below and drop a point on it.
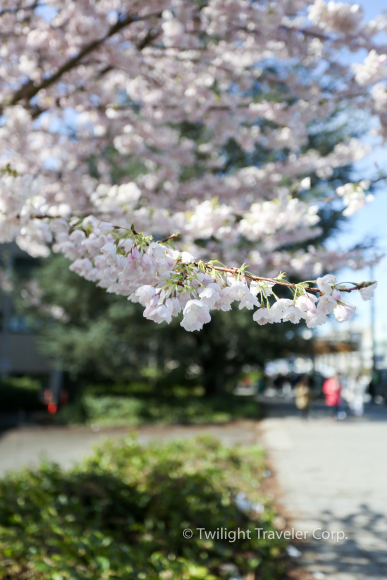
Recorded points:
(213, 380)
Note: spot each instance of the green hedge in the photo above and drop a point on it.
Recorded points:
(20, 393)
(121, 514)
(116, 410)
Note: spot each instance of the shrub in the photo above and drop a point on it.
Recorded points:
(122, 512)
(114, 410)
(20, 393)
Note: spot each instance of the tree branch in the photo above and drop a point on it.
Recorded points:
(13, 9)
(30, 89)
(251, 277)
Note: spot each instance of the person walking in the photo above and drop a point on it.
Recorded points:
(373, 387)
(303, 394)
(357, 404)
(332, 390)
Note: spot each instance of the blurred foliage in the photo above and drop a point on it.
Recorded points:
(20, 393)
(121, 514)
(107, 338)
(120, 405)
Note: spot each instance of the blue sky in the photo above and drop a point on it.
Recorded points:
(369, 222)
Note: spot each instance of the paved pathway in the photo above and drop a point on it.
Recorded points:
(333, 476)
(27, 446)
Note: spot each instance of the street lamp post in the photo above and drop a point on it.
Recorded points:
(373, 339)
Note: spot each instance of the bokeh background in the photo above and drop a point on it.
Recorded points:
(81, 367)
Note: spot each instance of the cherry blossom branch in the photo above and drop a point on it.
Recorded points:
(242, 272)
(210, 266)
(30, 89)
(252, 277)
(179, 280)
(171, 237)
(341, 193)
(13, 9)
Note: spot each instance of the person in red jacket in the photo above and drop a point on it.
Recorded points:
(332, 391)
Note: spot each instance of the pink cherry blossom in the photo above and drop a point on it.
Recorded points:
(315, 319)
(209, 296)
(280, 309)
(325, 283)
(159, 314)
(263, 316)
(195, 314)
(144, 294)
(326, 304)
(336, 294)
(292, 314)
(343, 311)
(306, 303)
(368, 292)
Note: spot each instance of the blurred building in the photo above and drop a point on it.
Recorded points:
(347, 351)
(19, 353)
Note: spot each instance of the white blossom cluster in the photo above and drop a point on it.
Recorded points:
(167, 282)
(373, 70)
(354, 196)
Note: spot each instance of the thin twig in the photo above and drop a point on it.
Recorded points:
(336, 196)
(170, 237)
(251, 277)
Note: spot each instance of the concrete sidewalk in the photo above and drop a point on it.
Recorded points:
(333, 476)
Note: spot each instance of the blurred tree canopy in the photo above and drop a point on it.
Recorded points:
(106, 338)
